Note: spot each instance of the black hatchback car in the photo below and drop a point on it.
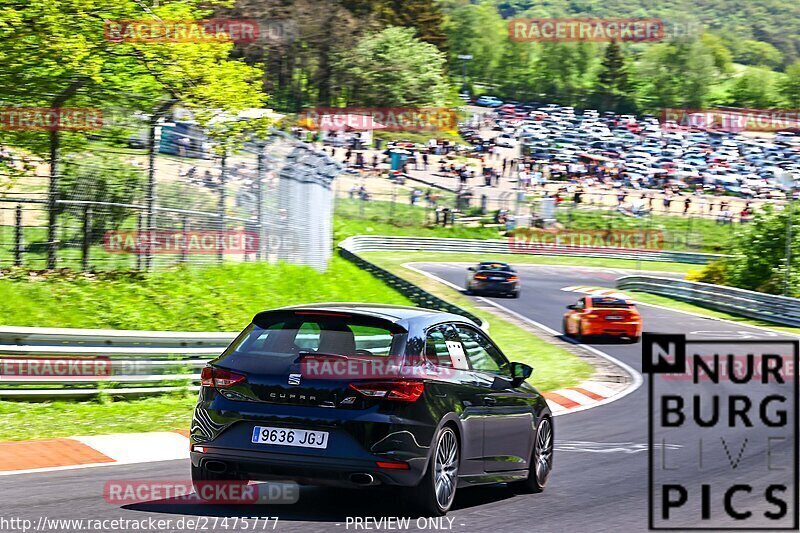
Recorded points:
(362, 395)
(493, 277)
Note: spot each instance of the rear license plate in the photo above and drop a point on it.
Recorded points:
(290, 437)
(614, 317)
(497, 278)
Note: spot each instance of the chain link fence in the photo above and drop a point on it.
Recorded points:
(152, 189)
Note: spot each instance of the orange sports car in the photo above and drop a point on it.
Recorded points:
(603, 315)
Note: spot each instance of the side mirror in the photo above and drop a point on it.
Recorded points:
(519, 373)
(471, 269)
(573, 307)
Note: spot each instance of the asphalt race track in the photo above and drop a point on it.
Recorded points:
(600, 473)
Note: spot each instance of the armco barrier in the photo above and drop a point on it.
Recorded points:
(162, 360)
(385, 243)
(349, 250)
(145, 362)
(767, 307)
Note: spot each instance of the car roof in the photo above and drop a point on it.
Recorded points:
(397, 314)
(493, 263)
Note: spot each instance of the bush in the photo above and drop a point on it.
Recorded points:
(758, 255)
(715, 272)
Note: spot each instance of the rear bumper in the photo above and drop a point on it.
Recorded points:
(268, 466)
(357, 440)
(613, 328)
(499, 287)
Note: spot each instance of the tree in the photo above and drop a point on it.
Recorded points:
(789, 87)
(754, 89)
(394, 68)
(100, 177)
(676, 74)
(47, 46)
(479, 31)
(561, 71)
(612, 91)
(758, 255)
(424, 15)
(723, 58)
(758, 53)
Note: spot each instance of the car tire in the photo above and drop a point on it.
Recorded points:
(442, 471)
(541, 463)
(634, 340)
(564, 327)
(515, 294)
(579, 335)
(201, 476)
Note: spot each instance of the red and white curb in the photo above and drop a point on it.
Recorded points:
(596, 291)
(69, 453)
(584, 396)
(31, 456)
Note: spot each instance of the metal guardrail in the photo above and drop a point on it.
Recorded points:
(39, 363)
(385, 243)
(751, 304)
(35, 362)
(111, 337)
(350, 248)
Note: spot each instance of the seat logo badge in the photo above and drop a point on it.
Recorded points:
(349, 400)
(294, 379)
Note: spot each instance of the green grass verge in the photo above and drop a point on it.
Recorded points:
(37, 420)
(655, 299)
(554, 367)
(680, 233)
(213, 298)
(521, 259)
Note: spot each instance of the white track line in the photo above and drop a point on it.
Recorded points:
(663, 307)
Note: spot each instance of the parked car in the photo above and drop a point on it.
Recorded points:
(505, 140)
(488, 101)
(417, 400)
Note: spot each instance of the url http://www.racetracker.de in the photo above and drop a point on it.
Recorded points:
(198, 523)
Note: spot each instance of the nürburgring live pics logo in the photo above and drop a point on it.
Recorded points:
(722, 433)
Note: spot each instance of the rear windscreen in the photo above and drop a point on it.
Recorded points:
(276, 340)
(610, 303)
(500, 267)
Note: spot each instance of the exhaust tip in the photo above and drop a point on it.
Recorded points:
(362, 479)
(217, 467)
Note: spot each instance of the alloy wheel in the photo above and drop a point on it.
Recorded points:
(543, 451)
(446, 468)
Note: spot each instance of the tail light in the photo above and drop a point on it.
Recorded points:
(219, 377)
(392, 465)
(513, 278)
(481, 276)
(398, 390)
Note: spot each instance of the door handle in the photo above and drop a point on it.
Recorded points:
(489, 400)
